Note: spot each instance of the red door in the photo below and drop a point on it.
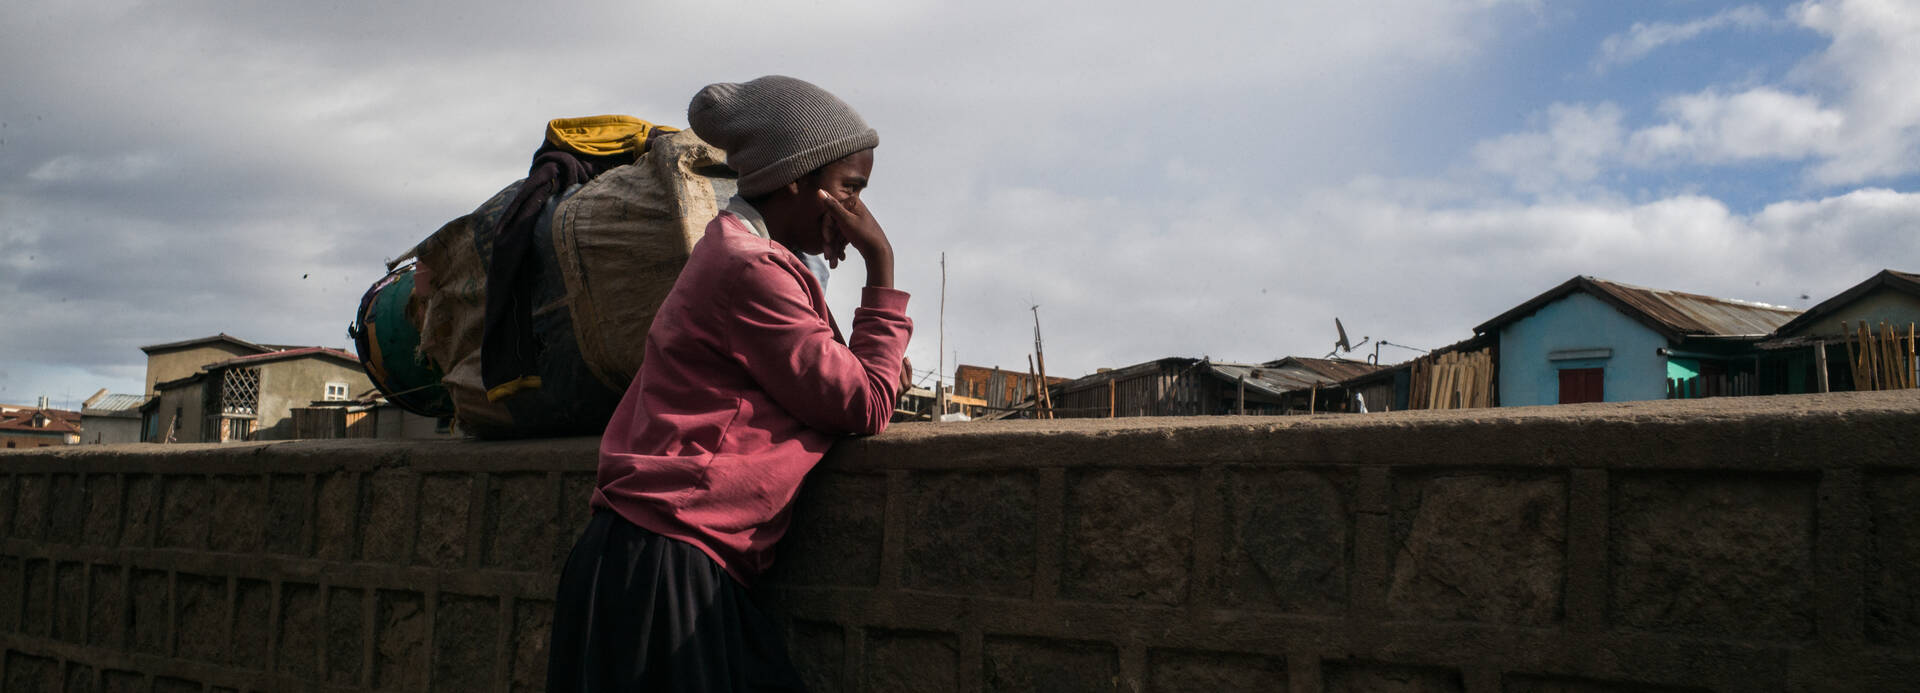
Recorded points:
(1581, 385)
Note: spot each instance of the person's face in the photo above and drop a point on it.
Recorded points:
(810, 229)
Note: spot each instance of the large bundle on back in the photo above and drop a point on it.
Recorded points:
(585, 271)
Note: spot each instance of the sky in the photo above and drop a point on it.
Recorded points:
(1217, 179)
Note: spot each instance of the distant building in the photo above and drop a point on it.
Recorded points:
(177, 360)
(249, 397)
(109, 418)
(1810, 352)
(981, 392)
(37, 426)
(1593, 340)
(1179, 386)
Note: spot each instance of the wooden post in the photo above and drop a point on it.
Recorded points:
(1243, 395)
(1110, 399)
(1035, 379)
(1313, 400)
(1820, 365)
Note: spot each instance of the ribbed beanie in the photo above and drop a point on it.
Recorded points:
(776, 129)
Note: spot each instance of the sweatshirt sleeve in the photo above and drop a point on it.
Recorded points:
(790, 351)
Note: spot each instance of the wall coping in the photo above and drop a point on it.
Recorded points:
(1790, 433)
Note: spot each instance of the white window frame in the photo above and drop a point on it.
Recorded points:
(335, 392)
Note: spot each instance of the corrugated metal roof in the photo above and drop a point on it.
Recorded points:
(117, 403)
(1289, 374)
(1672, 313)
(1892, 280)
(1333, 369)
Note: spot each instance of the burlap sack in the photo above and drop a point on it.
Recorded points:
(621, 241)
(616, 246)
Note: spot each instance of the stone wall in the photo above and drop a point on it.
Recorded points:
(1757, 544)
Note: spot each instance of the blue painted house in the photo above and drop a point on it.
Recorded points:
(1593, 340)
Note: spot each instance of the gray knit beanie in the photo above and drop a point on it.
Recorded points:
(776, 129)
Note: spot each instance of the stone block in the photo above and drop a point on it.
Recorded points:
(1183, 671)
(287, 513)
(300, 631)
(971, 533)
(400, 648)
(70, 602)
(836, 534)
(147, 617)
(168, 684)
(1375, 677)
(113, 681)
(184, 511)
(576, 492)
(107, 609)
(1129, 536)
(101, 527)
(66, 509)
(388, 520)
(1033, 664)
(912, 662)
(445, 501)
(346, 609)
(30, 511)
(252, 623)
(29, 673)
(819, 651)
(1479, 548)
(239, 514)
(334, 513)
(38, 613)
(1893, 559)
(466, 631)
(202, 618)
(12, 594)
(1713, 555)
(532, 627)
(522, 519)
(143, 498)
(79, 677)
(1287, 540)
(1521, 683)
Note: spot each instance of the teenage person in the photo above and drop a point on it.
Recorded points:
(745, 385)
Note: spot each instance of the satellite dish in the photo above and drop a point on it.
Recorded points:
(1343, 345)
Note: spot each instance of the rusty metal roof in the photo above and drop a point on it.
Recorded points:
(1673, 314)
(1291, 373)
(1332, 369)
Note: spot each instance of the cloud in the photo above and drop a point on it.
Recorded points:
(1577, 144)
(1646, 37)
(1762, 123)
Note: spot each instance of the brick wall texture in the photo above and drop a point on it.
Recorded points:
(1757, 544)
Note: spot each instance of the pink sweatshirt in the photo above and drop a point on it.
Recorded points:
(744, 387)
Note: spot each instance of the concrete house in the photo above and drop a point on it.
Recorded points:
(249, 397)
(109, 418)
(1593, 340)
(37, 426)
(1809, 352)
(176, 360)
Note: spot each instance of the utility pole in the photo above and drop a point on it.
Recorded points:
(1043, 400)
(940, 376)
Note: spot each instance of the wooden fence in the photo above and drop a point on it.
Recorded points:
(1454, 380)
(1882, 359)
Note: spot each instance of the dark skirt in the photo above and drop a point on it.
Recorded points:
(636, 611)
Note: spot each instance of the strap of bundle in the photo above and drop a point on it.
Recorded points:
(576, 150)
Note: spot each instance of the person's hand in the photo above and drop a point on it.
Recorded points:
(854, 224)
(906, 373)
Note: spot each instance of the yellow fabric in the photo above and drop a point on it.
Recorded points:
(513, 387)
(603, 134)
